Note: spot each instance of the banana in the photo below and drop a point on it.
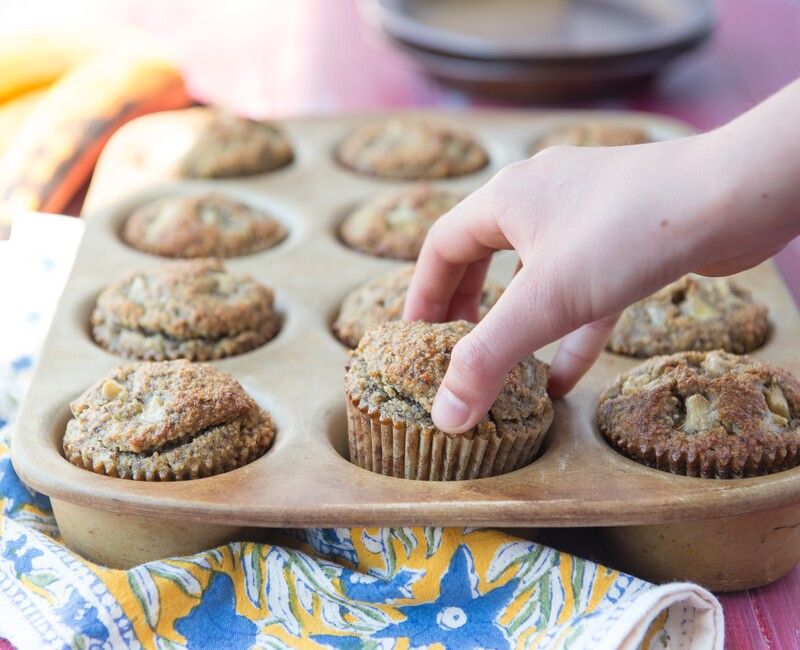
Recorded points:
(53, 151)
(14, 112)
(35, 60)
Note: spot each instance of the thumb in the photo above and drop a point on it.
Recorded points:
(480, 361)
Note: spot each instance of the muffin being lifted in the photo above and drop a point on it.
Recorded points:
(390, 384)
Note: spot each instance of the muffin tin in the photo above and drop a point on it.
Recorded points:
(725, 534)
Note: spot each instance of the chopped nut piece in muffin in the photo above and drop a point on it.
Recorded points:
(236, 146)
(395, 224)
(707, 414)
(592, 134)
(191, 309)
(381, 300)
(410, 149)
(693, 313)
(166, 421)
(205, 225)
(390, 384)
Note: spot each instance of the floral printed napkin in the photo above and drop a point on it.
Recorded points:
(339, 588)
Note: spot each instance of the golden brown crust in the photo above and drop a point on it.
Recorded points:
(592, 134)
(236, 146)
(410, 149)
(395, 224)
(713, 415)
(390, 384)
(381, 300)
(191, 309)
(205, 225)
(165, 421)
(692, 313)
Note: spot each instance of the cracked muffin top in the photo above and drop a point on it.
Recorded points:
(237, 146)
(592, 134)
(192, 309)
(382, 299)
(164, 421)
(401, 364)
(206, 225)
(692, 313)
(395, 224)
(710, 414)
(186, 299)
(410, 149)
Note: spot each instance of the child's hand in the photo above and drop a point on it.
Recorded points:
(597, 229)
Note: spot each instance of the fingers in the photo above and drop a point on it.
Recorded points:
(466, 301)
(468, 234)
(739, 263)
(576, 354)
(525, 317)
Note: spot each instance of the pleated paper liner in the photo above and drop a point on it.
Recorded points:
(400, 450)
(224, 448)
(774, 456)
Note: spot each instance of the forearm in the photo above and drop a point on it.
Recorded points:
(757, 159)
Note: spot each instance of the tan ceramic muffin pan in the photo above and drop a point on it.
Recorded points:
(726, 534)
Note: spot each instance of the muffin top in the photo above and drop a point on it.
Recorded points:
(167, 420)
(400, 365)
(191, 309)
(692, 313)
(141, 407)
(395, 224)
(381, 300)
(206, 225)
(410, 149)
(592, 134)
(188, 298)
(710, 414)
(237, 146)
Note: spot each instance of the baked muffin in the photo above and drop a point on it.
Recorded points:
(381, 300)
(407, 148)
(395, 224)
(166, 421)
(237, 146)
(390, 383)
(592, 134)
(192, 309)
(693, 313)
(708, 414)
(206, 225)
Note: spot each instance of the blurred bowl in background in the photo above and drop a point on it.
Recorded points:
(543, 50)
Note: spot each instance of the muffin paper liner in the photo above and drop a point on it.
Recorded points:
(155, 466)
(394, 448)
(720, 463)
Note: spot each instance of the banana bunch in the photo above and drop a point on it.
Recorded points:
(62, 95)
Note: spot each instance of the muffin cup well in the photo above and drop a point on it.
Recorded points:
(394, 448)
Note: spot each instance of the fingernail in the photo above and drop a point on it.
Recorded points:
(449, 413)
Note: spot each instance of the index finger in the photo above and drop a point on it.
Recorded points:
(468, 233)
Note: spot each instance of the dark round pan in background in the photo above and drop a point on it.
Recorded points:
(543, 49)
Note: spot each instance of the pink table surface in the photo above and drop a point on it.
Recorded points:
(279, 58)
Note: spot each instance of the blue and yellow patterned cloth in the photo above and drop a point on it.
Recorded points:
(339, 588)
